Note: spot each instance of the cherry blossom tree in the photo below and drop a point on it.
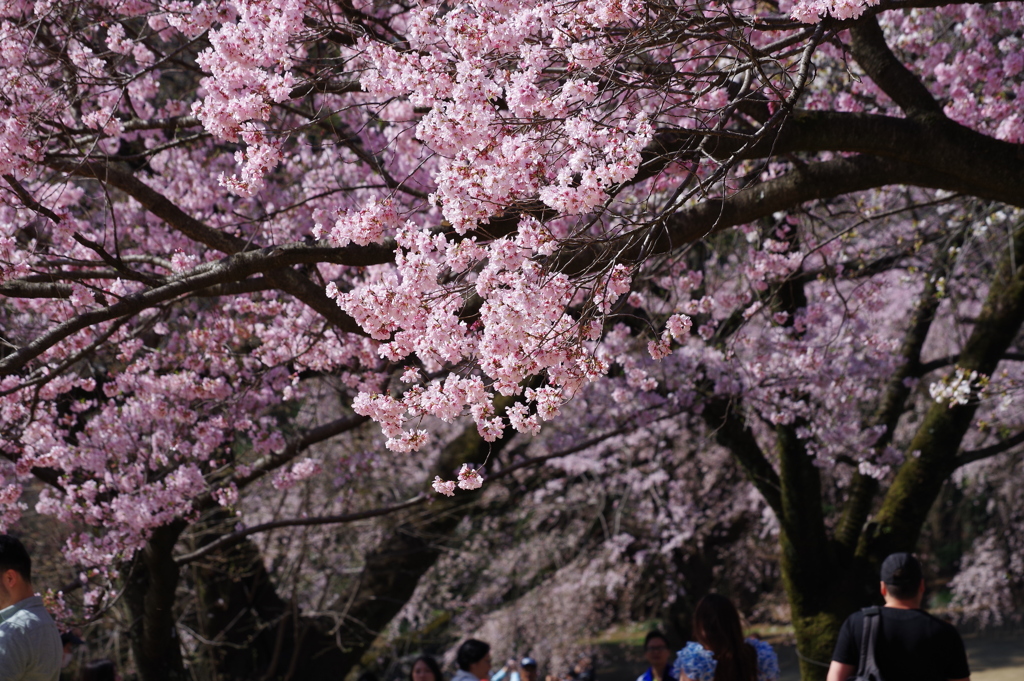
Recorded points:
(794, 226)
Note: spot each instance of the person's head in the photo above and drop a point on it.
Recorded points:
(528, 665)
(474, 657)
(15, 571)
(70, 641)
(583, 670)
(656, 650)
(902, 580)
(717, 627)
(425, 668)
(99, 670)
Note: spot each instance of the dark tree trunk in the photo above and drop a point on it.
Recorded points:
(253, 633)
(827, 575)
(150, 595)
(825, 583)
(393, 569)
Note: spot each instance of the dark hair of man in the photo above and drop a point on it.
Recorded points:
(901, 573)
(99, 670)
(654, 634)
(716, 625)
(13, 556)
(471, 652)
(432, 665)
(903, 592)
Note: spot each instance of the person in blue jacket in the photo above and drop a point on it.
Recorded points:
(657, 654)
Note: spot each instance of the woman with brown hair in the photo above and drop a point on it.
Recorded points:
(720, 652)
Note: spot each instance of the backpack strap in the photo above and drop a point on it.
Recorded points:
(868, 668)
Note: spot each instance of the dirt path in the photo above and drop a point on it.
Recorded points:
(997, 656)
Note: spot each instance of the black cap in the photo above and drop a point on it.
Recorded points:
(901, 569)
(528, 662)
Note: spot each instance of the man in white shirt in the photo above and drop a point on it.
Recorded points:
(30, 647)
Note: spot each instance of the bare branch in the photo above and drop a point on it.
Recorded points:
(205, 275)
(537, 460)
(171, 123)
(950, 360)
(893, 400)
(816, 181)
(237, 537)
(985, 452)
(272, 462)
(325, 86)
(28, 200)
(19, 288)
(732, 432)
(152, 200)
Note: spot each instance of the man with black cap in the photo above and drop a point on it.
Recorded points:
(911, 645)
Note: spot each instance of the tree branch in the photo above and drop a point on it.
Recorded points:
(872, 53)
(298, 445)
(237, 537)
(205, 275)
(732, 432)
(152, 200)
(816, 181)
(294, 284)
(894, 399)
(969, 161)
(972, 455)
(537, 460)
(116, 263)
(19, 288)
(325, 86)
(948, 360)
(28, 199)
(939, 434)
(170, 123)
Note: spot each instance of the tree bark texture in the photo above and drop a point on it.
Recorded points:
(251, 632)
(405, 553)
(150, 596)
